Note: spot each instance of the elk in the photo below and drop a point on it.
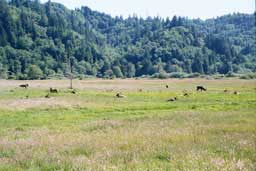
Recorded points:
(47, 96)
(120, 95)
(186, 94)
(200, 88)
(236, 93)
(172, 99)
(53, 90)
(24, 85)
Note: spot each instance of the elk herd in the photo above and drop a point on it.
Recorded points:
(120, 95)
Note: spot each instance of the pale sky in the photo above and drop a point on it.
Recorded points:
(164, 8)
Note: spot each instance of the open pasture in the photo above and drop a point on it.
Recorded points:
(94, 130)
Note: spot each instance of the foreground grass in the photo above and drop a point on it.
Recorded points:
(95, 131)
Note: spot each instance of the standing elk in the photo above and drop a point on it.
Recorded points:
(200, 88)
(53, 90)
(24, 86)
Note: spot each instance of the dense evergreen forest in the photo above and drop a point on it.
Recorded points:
(41, 41)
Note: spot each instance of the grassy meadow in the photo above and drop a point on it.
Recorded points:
(93, 130)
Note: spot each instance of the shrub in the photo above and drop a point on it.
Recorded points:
(160, 75)
(178, 75)
(218, 76)
(34, 72)
(231, 74)
(248, 76)
(194, 75)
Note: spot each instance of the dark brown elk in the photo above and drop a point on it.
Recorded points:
(172, 99)
(120, 95)
(186, 94)
(47, 96)
(200, 88)
(236, 93)
(24, 85)
(53, 90)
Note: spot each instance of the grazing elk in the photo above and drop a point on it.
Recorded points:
(47, 96)
(120, 95)
(236, 93)
(53, 90)
(24, 85)
(172, 99)
(186, 94)
(200, 88)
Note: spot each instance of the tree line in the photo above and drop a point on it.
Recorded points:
(41, 41)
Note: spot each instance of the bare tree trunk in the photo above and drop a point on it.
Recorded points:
(71, 74)
(71, 81)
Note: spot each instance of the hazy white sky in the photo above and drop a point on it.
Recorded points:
(164, 8)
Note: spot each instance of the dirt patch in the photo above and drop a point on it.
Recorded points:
(19, 104)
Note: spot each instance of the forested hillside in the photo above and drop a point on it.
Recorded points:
(39, 41)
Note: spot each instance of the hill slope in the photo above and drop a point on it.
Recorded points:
(41, 40)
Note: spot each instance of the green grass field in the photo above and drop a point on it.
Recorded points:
(95, 131)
